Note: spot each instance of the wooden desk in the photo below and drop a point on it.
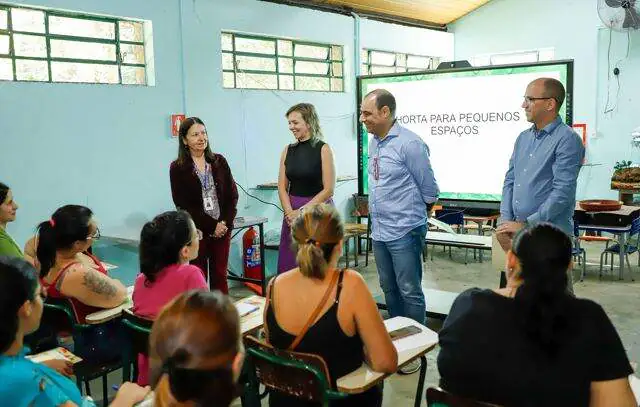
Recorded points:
(409, 349)
(459, 240)
(480, 221)
(254, 320)
(438, 302)
(108, 314)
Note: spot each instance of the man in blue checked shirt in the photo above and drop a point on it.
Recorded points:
(402, 188)
(540, 184)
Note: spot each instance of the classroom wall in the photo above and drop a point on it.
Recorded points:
(109, 147)
(574, 29)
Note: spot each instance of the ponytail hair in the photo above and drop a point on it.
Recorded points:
(67, 225)
(192, 347)
(4, 191)
(161, 241)
(18, 281)
(544, 253)
(316, 232)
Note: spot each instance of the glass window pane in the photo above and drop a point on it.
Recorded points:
(285, 48)
(320, 68)
(336, 68)
(226, 41)
(434, 63)
(311, 51)
(415, 69)
(28, 70)
(285, 65)
(286, 82)
(133, 75)
(417, 61)
(364, 69)
(29, 45)
(82, 50)
(27, 20)
(312, 83)
(401, 69)
(254, 45)
(6, 69)
(364, 56)
(4, 21)
(515, 58)
(81, 72)
(132, 54)
(336, 84)
(131, 31)
(247, 63)
(82, 28)
(228, 80)
(256, 81)
(376, 70)
(4, 44)
(227, 61)
(383, 58)
(401, 59)
(336, 52)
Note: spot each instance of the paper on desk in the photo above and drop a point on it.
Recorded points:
(245, 308)
(57, 353)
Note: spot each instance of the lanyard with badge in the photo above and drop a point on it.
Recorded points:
(207, 187)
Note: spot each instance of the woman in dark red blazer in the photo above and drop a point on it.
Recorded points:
(202, 184)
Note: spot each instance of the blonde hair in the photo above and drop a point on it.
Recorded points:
(316, 232)
(310, 116)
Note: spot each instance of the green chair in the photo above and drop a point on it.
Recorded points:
(295, 374)
(136, 331)
(436, 397)
(60, 310)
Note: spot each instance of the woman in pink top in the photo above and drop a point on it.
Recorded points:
(167, 244)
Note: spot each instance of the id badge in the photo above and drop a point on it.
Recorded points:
(208, 203)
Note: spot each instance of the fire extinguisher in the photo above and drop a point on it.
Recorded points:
(251, 251)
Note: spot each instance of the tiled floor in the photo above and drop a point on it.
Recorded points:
(621, 300)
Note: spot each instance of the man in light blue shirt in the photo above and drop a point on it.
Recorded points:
(540, 184)
(402, 188)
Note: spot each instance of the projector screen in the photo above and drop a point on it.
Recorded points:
(469, 118)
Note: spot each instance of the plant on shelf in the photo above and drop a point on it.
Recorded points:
(621, 165)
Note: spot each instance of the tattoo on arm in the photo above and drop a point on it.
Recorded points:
(98, 284)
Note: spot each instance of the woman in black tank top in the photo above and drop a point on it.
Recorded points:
(318, 233)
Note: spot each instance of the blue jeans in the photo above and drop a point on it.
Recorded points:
(399, 264)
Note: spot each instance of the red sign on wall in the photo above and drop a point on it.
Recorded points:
(176, 121)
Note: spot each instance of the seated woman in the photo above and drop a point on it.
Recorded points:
(68, 271)
(532, 343)
(348, 329)
(25, 383)
(196, 351)
(167, 244)
(8, 208)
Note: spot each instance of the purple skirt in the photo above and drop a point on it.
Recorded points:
(286, 253)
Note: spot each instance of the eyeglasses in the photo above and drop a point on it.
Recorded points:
(529, 99)
(95, 235)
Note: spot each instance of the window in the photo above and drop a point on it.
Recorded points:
(257, 62)
(375, 62)
(51, 46)
(518, 57)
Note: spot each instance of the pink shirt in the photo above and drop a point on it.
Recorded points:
(149, 299)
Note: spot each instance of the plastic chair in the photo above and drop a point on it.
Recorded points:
(301, 375)
(136, 330)
(578, 252)
(86, 370)
(629, 247)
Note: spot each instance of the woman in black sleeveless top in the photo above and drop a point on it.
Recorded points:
(348, 322)
(306, 176)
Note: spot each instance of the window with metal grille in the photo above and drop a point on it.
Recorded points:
(517, 57)
(52, 46)
(374, 62)
(259, 62)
